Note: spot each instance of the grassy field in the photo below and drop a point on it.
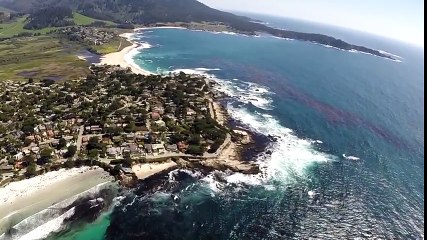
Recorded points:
(46, 56)
(113, 46)
(14, 28)
(83, 20)
(40, 57)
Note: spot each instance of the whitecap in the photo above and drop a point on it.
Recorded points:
(46, 228)
(41, 224)
(290, 156)
(353, 158)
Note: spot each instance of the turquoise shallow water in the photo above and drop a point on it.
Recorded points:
(92, 231)
(320, 103)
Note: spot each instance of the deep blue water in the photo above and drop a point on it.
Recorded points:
(320, 103)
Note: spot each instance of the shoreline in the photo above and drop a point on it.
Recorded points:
(230, 31)
(22, 199)
(123, 58)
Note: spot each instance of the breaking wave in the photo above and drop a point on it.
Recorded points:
(55, 218)
(286, 158)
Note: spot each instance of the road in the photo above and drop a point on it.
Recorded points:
(79, 139)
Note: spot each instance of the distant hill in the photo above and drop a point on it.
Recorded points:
(161, 11)
(56, 16)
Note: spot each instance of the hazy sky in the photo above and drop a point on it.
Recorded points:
(399, 19)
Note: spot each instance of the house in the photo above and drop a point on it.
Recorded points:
(160, 123)
(171, 147)
(158, 148)
(18, 156)
(4, 160)
(159, 109)
(95, 129)
(35, 150)
(190, 112)
(155, 116)
(117, 139)
(26, 151)
(126, 170)
(113, 152)
(30, 138)
(106, 140)
(55, 142)
(130, 137)
(133, 148)
(41, 128)
(6, 168)
(50, 133)
(148, 148)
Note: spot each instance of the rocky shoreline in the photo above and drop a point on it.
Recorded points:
(229, 158)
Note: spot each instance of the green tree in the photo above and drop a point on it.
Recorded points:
(28, 159)
(194, 140)
(31, 170)
(94, 143)
(130, 127)
(93, 154)
(45, 156)
(127, 160)
(27, 142)
(69, 163)
(71, 151)
(62, 143)
(195, 150)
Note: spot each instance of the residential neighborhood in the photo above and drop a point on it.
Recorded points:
(111, 116)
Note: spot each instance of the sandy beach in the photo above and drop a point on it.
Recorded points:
(143, 171)
(19, 200)
(124, 57)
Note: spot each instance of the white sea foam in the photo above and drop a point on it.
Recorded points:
(129, 57)
(212, 183)
(41, 224)
(290, 156)
(195, 71)
(353, 158)
(192, 173)
(240, 178)
(246, 92)
(207, 69)
(391, 54)
(282, 38)
(229, 33)
(46, 228)
(356, 51)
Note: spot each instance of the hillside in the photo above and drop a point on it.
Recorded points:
(161, 11)
(17, 26)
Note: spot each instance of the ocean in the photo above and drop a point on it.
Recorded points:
(341, 133)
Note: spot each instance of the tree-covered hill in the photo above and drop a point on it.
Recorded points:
(57, 16)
